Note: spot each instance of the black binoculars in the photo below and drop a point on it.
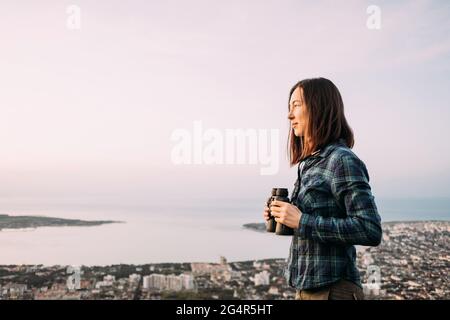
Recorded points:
(280, 194)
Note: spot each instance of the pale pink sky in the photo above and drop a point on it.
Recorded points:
(89, 113)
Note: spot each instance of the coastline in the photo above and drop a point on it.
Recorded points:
(260, 226)
(11, 223)
(139, 242)
(412, 262)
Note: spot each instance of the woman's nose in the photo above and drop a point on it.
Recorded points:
(290, 116)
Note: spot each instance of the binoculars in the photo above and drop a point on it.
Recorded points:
(280, 194)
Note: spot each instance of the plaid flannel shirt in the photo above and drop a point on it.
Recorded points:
(338, 211)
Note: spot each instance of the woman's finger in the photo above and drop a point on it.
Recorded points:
(275, 209)
(274, 203)
(276, 214)
(279, 220)
(278, 203)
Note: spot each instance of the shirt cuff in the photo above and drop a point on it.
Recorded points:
(306, 226)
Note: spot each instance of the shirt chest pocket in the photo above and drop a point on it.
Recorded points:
(314, 196)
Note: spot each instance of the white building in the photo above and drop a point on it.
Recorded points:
(188, 281)
(173, 283)
(146, 282)
(169, 282)
(157, 281)
(273, 290)
(201, 268)
(262, 278)
(134, 278)
(107, 281)
(208, 268)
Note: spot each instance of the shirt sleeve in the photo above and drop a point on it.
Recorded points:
(351, 189)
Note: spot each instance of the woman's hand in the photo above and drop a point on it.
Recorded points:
(266, 214)
(286, 213)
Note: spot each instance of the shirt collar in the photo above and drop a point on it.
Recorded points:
(325, 151)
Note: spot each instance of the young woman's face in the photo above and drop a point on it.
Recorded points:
(297, 112)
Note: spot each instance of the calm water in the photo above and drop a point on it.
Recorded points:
(182, 234)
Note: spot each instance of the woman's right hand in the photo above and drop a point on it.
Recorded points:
(266, 214)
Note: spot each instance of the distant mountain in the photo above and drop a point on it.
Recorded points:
(256, 226)
(19, 222)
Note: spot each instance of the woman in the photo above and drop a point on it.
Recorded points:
(332, 207)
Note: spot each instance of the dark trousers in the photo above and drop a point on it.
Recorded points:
(340, 290)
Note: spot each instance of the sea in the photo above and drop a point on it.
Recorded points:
(156, 233)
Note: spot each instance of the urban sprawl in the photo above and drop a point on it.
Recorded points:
(412, 262)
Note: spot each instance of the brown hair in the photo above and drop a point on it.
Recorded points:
(326, 121)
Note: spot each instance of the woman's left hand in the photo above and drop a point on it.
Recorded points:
(285, 213)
